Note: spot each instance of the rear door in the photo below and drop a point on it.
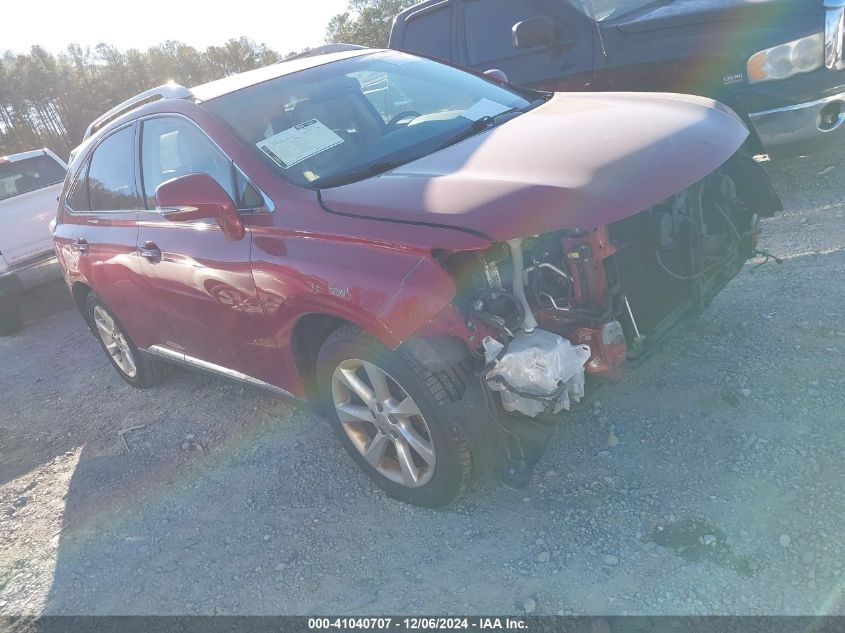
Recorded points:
(565, 63)
(202, 282)
(105, 202)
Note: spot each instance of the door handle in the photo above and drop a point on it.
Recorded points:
(150, 252)
(79, 246)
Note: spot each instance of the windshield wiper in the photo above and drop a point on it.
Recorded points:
(479, 125)
(369, 171)
(488, 121)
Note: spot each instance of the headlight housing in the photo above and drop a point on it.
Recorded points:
(785, 60)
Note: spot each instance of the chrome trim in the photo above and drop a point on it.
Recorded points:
(166, 352)
(165, 211)
(834, 29)
(799, 106)
(196, 363)
(268, 207)
(795, 123)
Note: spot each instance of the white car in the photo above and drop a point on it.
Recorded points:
(30, 183)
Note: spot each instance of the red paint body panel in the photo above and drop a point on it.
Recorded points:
(112, 267)
(388, 292)
(205, 291)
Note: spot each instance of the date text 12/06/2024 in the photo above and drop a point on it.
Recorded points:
(418, 624)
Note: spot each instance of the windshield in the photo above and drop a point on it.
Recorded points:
(609, 9)
(350, 119)
(23, 176)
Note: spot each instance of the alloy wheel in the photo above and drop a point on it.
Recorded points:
(115, 342)
(383, 423)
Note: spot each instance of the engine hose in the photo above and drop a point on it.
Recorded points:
(529, 323)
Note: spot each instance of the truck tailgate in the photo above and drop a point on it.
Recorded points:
(25, 224)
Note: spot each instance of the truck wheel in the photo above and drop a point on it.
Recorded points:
(139, 370)
(388, 413)
(11, 318)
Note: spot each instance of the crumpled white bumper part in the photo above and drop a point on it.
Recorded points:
(541, 364)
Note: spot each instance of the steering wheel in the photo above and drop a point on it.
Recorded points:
(405, 114)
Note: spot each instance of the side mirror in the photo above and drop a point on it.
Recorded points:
(199, 197)
(497, 74)
(535, 32)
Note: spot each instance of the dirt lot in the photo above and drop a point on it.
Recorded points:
(711, 481)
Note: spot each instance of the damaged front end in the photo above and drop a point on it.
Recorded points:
(550, 315)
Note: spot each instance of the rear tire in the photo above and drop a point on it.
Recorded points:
(11, 318)
(399, 432)
(139, 370)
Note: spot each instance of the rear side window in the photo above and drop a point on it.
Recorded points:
(430, 31)
(29, 174)
(489, 27)
(111, 176)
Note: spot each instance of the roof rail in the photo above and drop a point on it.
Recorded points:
(169, 90)
(337, 47)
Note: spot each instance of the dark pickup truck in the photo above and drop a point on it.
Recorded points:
(777, 63)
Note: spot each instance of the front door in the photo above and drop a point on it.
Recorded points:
(202, 282)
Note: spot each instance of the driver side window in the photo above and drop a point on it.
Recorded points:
(172, 147)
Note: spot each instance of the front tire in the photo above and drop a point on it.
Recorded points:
(388, 412)
(139, 370)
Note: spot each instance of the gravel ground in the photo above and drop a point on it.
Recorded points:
(709, 482)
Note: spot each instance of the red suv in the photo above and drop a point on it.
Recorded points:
(440, 262)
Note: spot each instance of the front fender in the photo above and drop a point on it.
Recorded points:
(388, 292)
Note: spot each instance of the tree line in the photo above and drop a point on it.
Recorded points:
(48, 100)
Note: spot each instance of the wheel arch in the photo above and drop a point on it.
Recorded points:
(307, 337)
(433, 345)
(80, 291)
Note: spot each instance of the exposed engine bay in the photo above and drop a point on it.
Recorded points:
(556, 307)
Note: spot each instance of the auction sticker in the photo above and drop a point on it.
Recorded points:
(299, 143)
(483, 108)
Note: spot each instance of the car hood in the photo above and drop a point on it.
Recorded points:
(677, 13)
(581, 160)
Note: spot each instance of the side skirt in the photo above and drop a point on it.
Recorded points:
(179, 358)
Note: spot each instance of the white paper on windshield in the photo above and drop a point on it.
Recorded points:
(298, 143)
(483, 108)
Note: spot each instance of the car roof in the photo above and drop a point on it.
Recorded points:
(220, 87)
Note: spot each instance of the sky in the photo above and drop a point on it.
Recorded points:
(284, 25)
